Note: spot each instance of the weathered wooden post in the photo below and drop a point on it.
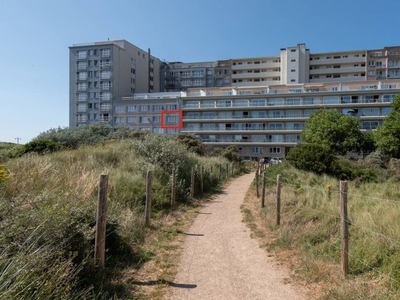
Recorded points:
(227, 171)
(173, 187)
(257, 191)
(192, 183)
(278, 199)
(220, 172)
(263, 190)
(201, 179)
(100, 238)
(344, 228)
(148, 198)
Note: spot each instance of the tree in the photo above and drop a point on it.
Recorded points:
(338, 132)
(387, 137)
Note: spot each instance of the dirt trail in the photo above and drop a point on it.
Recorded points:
(221, 261)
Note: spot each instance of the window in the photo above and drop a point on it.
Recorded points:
(258, 102)
(275, 150)
(119, 120)
(208, 103)
(119, 109)
(257, 150)
(171, 119)
(157, 119)
(171, 107)
(209, 115)
(272, 102)
(82, 65)
(82, 54)
(369, 125)
(293, 101)
(157, 130)
(131, 120)
(224, 103)
(293, 113)
(388, 98)
(143, 120)
(370, 112)
(330, 100)
(293, 70)
(275, 114)
(275, 126)
(82, 96)
(144, 107)
(386, 111)
(157, 107)
(105, 52)
(132, 108)
(105, 74)
(292, 60)
(82, 107)
(82, 86)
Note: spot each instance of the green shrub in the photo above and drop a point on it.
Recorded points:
(312, 158)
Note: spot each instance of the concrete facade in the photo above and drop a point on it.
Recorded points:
(102, 72)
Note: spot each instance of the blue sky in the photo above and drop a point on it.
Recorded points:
(35, 36)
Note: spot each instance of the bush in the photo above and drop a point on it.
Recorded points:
(41, 147)
(312, 158)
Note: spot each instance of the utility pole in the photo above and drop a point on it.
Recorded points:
(18, 139)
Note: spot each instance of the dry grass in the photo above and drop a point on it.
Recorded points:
(308, 240)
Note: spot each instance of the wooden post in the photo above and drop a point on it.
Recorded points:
(233, 168)
(201, 179)
(100, 238)
(220, 172)
(278, 199)
(173, 187)
(263, 190)
(344, 228)
(227, 171)
(148, 198)
(257, 191)
(192, 183)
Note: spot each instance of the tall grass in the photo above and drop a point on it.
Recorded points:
(311, 223)
(48, 209)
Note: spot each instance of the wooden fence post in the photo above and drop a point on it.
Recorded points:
(220, 172)
(201, 179)
(233, 168)
(263, 190)
(257, 191)
(192, 183)
(148, 198)
(173, 187)
(227, 171)
(344, 228)
(100, 238)
(278, 199)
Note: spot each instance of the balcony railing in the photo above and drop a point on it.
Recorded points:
(287, 128)
(301, 102)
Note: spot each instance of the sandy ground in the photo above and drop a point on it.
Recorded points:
(221, 261)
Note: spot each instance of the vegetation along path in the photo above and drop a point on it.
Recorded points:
(221, 261)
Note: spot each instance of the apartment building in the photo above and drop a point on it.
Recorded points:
(267, 121)
(102, 72)
(259, 103)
